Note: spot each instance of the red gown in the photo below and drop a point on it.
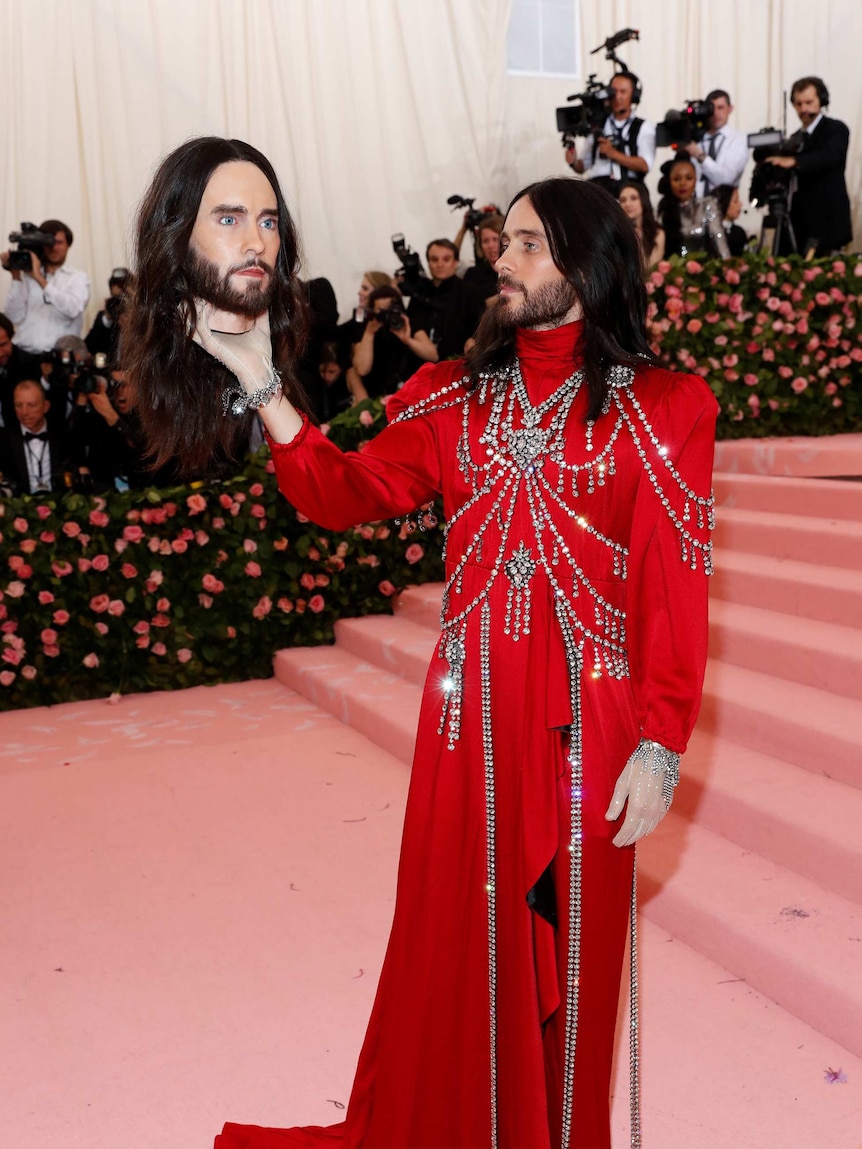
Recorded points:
(574, 624)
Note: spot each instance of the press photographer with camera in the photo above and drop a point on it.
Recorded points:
(722, 152)
(483, 275)
(820, 205)
(46, 298)
(104, 335)
(389, 351)
(624, 149)
(443, 305)
(99, 450)
(33, 455)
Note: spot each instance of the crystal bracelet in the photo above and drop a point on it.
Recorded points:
(236, 400)
(659, 760)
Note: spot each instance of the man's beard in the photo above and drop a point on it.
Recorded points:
(546, 306)
(207, 282)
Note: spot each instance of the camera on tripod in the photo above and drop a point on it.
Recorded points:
(771, 184)
(29, 239)
(686, 125)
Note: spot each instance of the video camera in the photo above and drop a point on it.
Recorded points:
(474, 215)
(411, 276)
(85, 378)
(587, 117)
(686, 125)
(28, 239)
(770, 184)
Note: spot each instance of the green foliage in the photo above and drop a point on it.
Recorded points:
(778, 340)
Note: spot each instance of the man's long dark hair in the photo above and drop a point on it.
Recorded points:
(594, 245)
(179, 385)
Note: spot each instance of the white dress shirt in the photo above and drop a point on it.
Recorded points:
(41, 317)
(605, 167)
(731, 156)
(38, 455)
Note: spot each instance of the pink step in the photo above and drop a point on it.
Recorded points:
(797, 537)
(395, 644)
(811, 728)
(817, 654)
(380, 705)
(830, 594)
(787, 937)
(822, 498)
(421, 604)
(839, 455)
(801, 821)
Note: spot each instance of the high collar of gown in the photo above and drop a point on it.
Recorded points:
(548, 357)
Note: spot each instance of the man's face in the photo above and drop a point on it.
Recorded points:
(533, 290)
(721, 109)
(6, 348)
(122, 392)
(442, 263)
(31, 406)
(489, 241)
(622, 90)
(807, 105)
(55, 256)
(235, 241)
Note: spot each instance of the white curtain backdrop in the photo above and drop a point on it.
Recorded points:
(372, 111)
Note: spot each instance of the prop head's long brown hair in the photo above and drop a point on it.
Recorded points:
(179, 386)
(593, 243)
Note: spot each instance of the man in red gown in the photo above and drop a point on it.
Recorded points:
(575, 482)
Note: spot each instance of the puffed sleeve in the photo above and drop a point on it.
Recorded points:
(397, 471)
(669, 563)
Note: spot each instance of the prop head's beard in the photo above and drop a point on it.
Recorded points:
(547, 305)
(207, 282)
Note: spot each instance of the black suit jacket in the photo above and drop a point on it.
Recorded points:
(821, 207)
(13, 459)
(20, 365)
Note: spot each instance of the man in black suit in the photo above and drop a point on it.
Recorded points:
(32, 457)
(15, 365)
(820, 210)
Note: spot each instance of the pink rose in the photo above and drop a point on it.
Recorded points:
(48, 636)
(316, 603)
(159, 649)
(45, 597)
(751, 380)
(201, 538)
(28, 546)
(179, 546)
(15, 589)
(161, 620)
(258, 511)
(285, 605)
(116, 607)
(60, 617)
(366, 418)
(142, 641)
(100, 562)
(43, 512)
(51, 651)
(225, 501)
(71, 530)
(321, 580)
(164, 604)
(12, 656)
(206, 600)
(785, 372)
(141, 627)
(693, 326)
(90, 660)
(386, 588)
(84, 565)
(249, 546)
(156, 578)
(129, 571)
(196, 504)
(7, 677)
(256, 490)
(133, 534)
(270, 465)
(768, 354)
(693, 267)
(307, 580)
(414, 553)
(98, 519)
(823, 298)
(799, 384)
(47, 537)
(184, 654)
(731, 275)
(263, 607)
(218, 523)
(730, 360)
(22, 526)
(253, 570)
(28, 672)
(212, 584)
(754, 403)
(120, 545)
(831, 388)
(101, 628)
(99, 603)
(164, 547)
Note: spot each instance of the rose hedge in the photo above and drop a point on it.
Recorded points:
(163, 589)
(778, 340)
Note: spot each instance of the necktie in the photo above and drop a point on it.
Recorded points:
(713, 147)
(43, 435)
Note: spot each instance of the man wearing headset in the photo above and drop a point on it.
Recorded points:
(820, 209)
(626, 148)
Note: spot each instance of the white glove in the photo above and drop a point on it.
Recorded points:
(646, 784)
(246, 354)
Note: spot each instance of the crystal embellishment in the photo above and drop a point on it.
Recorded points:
(526, 444)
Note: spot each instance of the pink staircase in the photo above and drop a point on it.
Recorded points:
(759, 865)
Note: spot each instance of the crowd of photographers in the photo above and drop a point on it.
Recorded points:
(67, 410)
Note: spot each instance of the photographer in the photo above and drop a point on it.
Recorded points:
(820, 208)
(625, 149)
(389, 352)
(722, 153)
(47, 300)
(60, 368)
(448, 309)
(483, 274)
(97, 446)
(104, 335)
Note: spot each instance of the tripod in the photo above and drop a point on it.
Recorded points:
(777, 227)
